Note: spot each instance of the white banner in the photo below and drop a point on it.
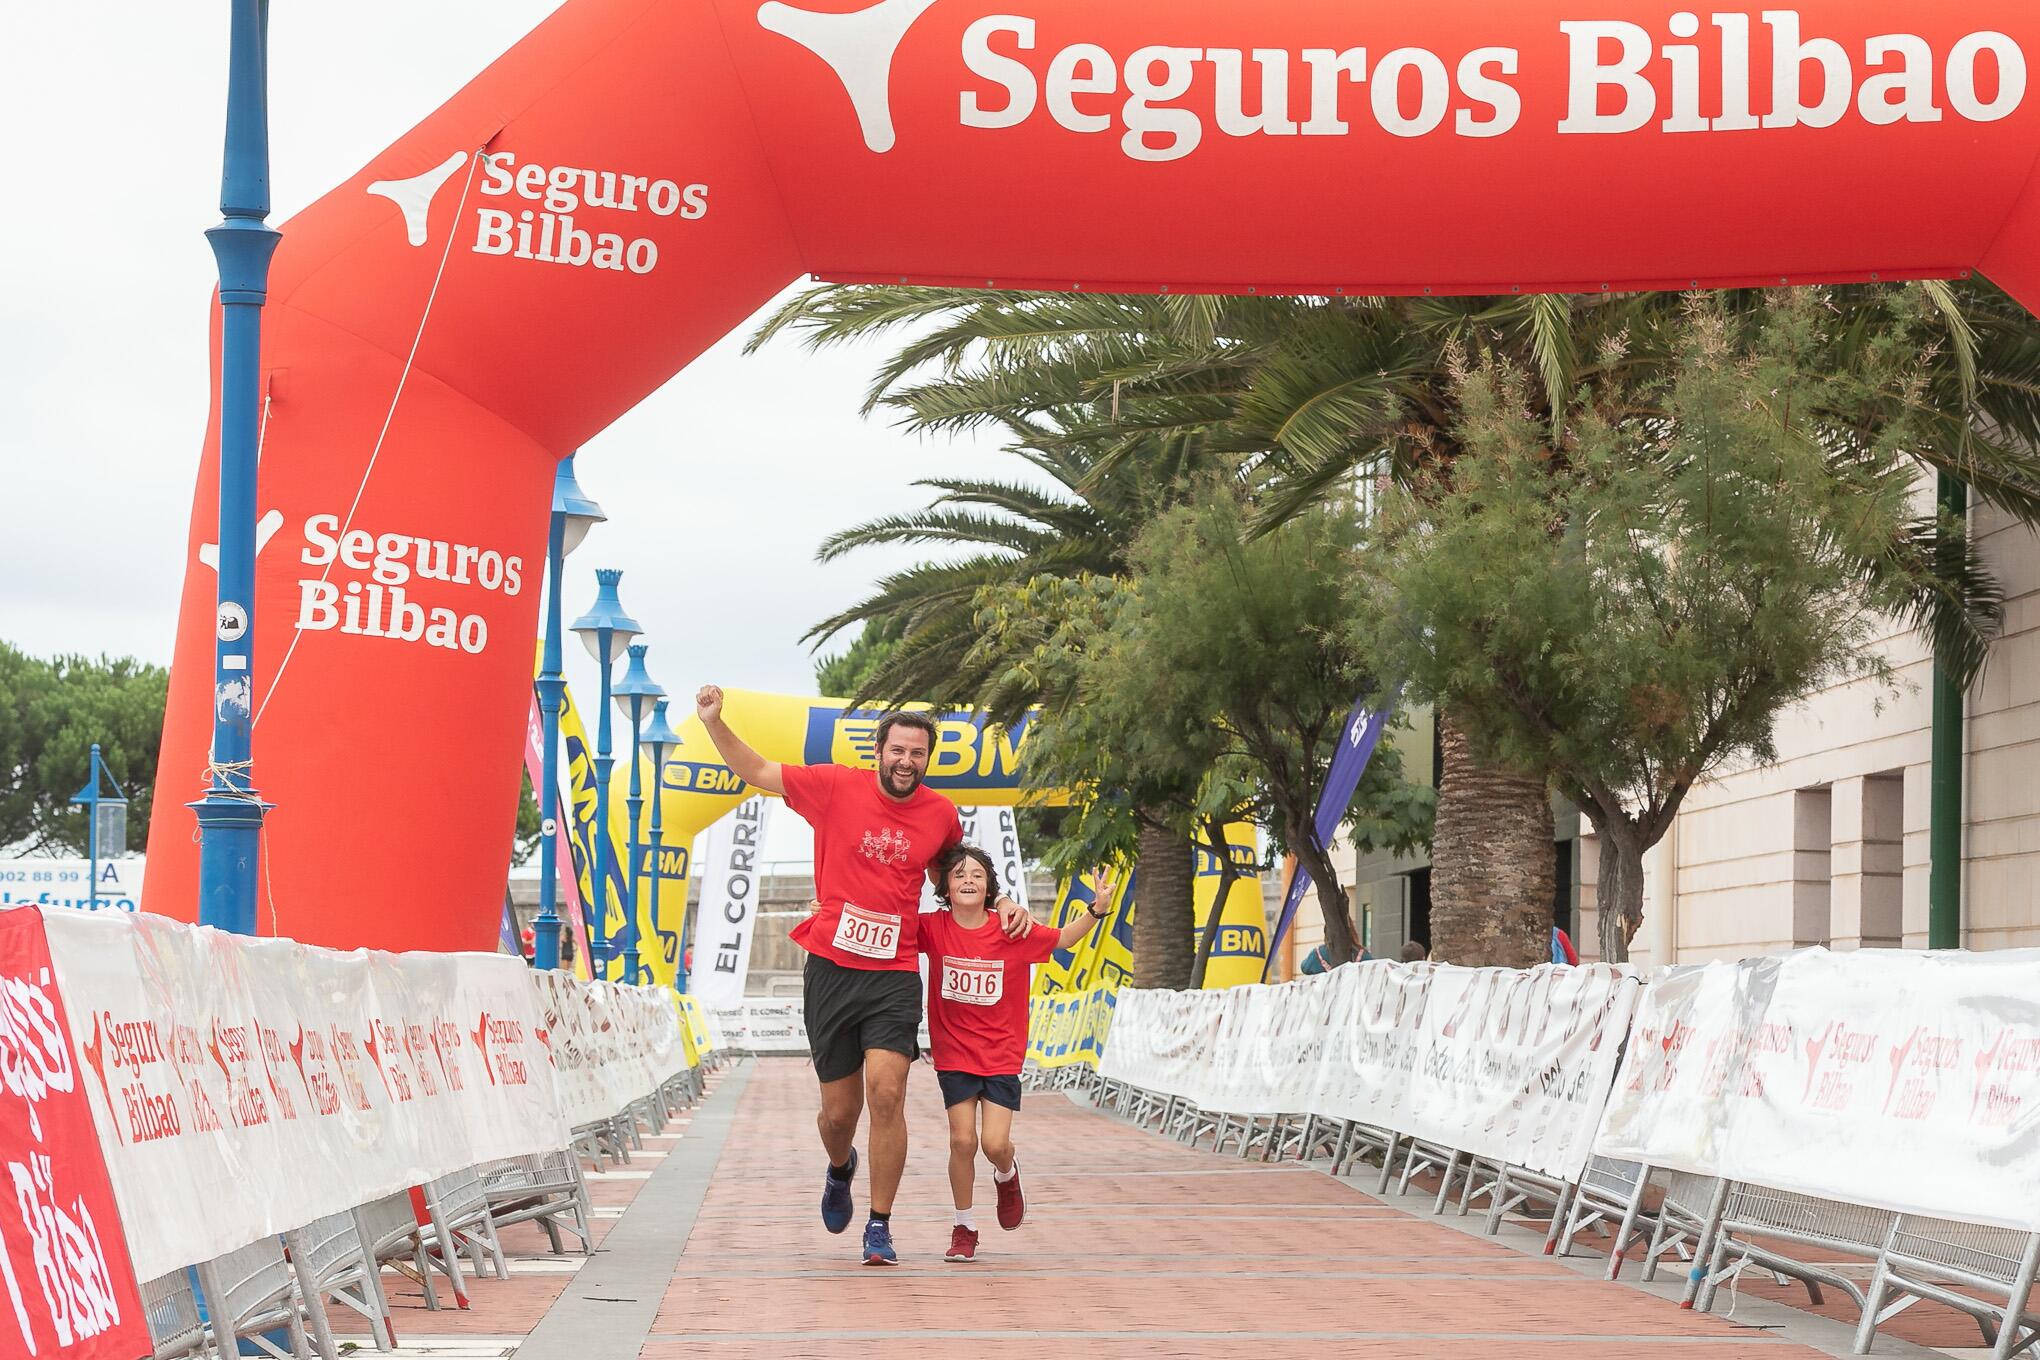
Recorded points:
(1502, 1063)
(761, 1025)
(611, 1045)
(68, 883)
(1896, 1079)
(246, 1086)
(726, 921)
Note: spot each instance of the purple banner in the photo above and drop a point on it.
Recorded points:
(1357, 741)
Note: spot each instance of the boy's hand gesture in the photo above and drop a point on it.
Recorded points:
(1013, 918)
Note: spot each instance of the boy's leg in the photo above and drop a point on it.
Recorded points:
(998, 1137)
(963, 1146)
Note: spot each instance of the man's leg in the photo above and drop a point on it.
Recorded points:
(963, 1147)
(885, 1095)
(842, 1103)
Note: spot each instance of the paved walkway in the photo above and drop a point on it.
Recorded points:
(1134, 1246)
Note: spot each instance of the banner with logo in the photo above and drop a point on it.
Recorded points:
(726, 921)
(1502, 1063)
(1359, 737)
(1239, 950)
(634, 181)
(1898, 1079)
(612, 1045)
(222, 1070)
(69, 883)
(761, 1025)
(1070, 1027)
(64, 1261)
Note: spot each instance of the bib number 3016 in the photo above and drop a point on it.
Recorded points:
(872, 934)
(974, 982)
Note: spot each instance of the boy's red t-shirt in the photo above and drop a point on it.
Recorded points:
(978, 982)
(871, 857)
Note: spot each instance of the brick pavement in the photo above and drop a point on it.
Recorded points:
(1134, 1246)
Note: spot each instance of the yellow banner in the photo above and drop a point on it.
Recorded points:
(1070, 1027)
(1104, 957)
(1240, 951)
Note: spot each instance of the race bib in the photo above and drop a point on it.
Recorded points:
(974, 982)
(872, 934)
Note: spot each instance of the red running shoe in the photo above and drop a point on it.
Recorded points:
(1012, 1204)
(962, 1245)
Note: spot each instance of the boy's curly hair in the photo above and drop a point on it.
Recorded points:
(957, 856)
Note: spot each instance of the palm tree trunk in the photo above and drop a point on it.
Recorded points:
(1491, 861)
(1163, 920)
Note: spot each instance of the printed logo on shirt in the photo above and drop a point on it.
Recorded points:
(887, 846)
(974, 982)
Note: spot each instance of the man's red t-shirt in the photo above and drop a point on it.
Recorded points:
(978, 982)
(871, 857)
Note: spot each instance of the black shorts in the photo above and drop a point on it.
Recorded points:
(850, 1010)
(958, 1087)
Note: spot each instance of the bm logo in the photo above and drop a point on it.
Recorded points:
(968, 754)
(1240, 942)
(686, 776)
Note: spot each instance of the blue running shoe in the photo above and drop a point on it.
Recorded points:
(836, 1206)
(878, 1247)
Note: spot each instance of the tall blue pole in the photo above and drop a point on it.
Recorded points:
(636, 803)
(230, 814)
(658, 841)
(92, 834)
(552, 688)
(604, 763)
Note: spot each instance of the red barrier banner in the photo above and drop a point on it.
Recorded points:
(63, 1259)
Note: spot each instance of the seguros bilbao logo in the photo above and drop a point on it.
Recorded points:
(1165, 100)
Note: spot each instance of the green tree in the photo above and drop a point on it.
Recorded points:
(848, 674)
(1629, 594)
(51, 712)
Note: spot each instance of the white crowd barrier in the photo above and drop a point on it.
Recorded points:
(1511, 1066)
(244, 1087)
(1899, 1080)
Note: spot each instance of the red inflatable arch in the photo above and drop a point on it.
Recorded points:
(638, 176)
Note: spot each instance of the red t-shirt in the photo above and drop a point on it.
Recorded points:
(871, 857)
(977, 993)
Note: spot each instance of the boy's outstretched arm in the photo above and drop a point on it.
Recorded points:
(1080, 926)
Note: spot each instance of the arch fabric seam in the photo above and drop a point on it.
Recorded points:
(2026, 186)
(389, 419)
(800, 245)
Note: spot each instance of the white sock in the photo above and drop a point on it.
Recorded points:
(967, 1218)
(1008, 1174)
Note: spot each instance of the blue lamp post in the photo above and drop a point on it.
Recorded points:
(660, 739)
(230, 813)
(635, 697)
(573, 515)
(607, 631)
(106, 819)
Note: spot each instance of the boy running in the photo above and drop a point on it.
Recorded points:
(978, 981)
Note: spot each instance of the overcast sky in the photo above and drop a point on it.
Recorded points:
(113, 117)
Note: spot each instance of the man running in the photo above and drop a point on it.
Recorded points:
(877, 834)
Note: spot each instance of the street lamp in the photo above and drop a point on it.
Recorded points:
(105, 819)
(634, 699)
(607, 631)
(573, 515)
(230, 813)
(660, 739)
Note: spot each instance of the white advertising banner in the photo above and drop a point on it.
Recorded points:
(1897, 1079)
(246, 1086)
(726, 920)
(761, 1025)
(69, 883)
(1503, 1063)
(612, 1045)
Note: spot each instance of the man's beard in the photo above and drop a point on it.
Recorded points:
(889, 779)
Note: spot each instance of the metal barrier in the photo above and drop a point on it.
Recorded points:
(170, 1307)
(541, 1188)
(250, 1291)
(1924, 1257)
(1609, 1196)
(1757, 1211)
(332, 1261)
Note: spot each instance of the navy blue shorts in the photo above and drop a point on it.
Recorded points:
(958, 1087)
